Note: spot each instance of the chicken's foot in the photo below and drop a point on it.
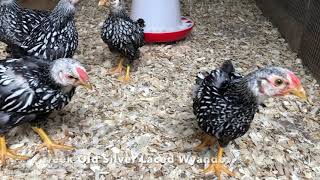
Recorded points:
(218, 167)
(118, 68)
(50, 144)
(8, 153)
(125, 78)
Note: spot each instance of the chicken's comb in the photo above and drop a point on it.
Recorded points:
(295, 80)
(82, 74)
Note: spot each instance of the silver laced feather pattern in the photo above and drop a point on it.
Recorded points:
(122, 34)
(55, 37)
(16, 23)
(28, 92)
(223, 103)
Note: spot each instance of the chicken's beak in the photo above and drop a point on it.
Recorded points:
(86, 85)
(299, 92)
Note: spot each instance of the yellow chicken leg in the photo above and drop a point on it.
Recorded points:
(218, 167)
(118, 68)
(206, 141)
(50, 144)
(126, 78)
(8, 153)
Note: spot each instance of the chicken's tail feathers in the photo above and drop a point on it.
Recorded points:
(199, 81)
(201, 76)
(227, 67)
(141, 23)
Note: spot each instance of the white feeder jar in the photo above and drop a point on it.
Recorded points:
(160, 16)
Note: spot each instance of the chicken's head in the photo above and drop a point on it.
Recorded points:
(277, 81)
(69, 72)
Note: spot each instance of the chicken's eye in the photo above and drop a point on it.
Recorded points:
(70, 77)
(278, 82)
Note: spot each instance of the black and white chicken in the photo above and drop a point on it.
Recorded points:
(55, 37)
(30, 89)
(17, 22)
(225, 103)
(122, 35)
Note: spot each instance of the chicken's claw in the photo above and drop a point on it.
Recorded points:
(50, 144)
(8, 153)
(217, 168)
(118, 68)
(126, 78)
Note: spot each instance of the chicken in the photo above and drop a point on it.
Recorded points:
(122, 35)
(30, 89)
(56, 36)
(225, 103)
(17, 22)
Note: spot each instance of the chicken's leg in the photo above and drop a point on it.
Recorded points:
(218, 167)
(126, 78)
(118, 68)
(8, 153)
(206, 141)
(50, 144)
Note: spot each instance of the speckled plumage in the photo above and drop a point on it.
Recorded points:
(224, 104)
(55, 37)
(28, 91)
(17, 22)
(122, 34)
